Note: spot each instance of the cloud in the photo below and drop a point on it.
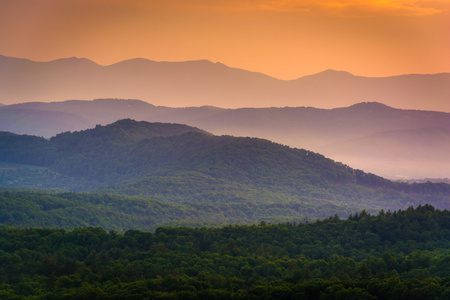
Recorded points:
(283, 6)
(356, 8)
(336, 8)
(374, 8)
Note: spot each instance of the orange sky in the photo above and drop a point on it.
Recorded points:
(285, 39)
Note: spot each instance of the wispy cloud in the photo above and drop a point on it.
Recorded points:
(337, 8)
(353, 8)
(372, 8)
(284, 5)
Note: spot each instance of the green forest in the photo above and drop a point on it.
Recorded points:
(400, 254)
(69, 210)
(182, 165)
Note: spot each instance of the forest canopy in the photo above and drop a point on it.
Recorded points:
(392, 255)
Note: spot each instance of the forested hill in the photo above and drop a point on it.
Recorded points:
(122, 133)
(180, 164)
(106, 153)
(110, 138)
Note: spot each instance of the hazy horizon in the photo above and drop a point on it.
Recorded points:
(220, 63)
(204, 83)
(283, 39)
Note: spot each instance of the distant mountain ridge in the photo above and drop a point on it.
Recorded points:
(197, 83)
(344, 134)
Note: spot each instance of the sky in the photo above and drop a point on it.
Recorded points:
(285, 39)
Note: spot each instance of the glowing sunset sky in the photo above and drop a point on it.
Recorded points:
(285, 39)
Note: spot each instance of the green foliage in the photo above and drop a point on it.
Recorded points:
(29, 176)
(34, 208)
(365, 257)
(179, 164)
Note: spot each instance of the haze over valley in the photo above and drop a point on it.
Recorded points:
(394, 143)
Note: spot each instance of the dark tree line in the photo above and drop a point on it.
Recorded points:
(400, 254)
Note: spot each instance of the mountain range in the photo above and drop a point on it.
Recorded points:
(183, 165)
(390, 142)
(197, 83)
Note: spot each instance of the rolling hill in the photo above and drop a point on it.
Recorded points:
(183, 165)
(197, 83)
(359, 135)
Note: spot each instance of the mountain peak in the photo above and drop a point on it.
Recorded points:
(376, 108)
(73, 58)
(13, 60)
(137, 60)
(73, 61)
(370, 105)
(113, 101)
(64, 62)
(127, 131)
(328, 74)
(331, 72)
